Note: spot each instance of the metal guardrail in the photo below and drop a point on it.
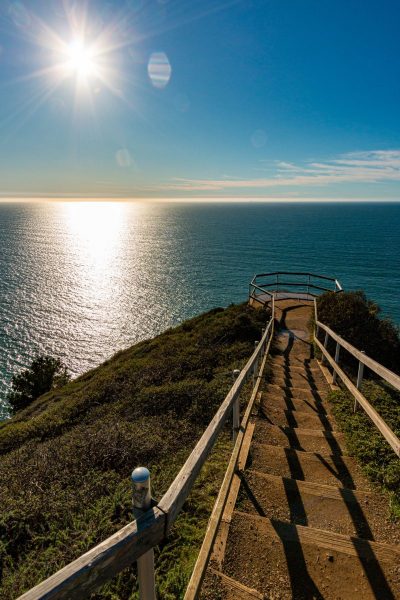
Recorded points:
(83, 576)
(290, 284)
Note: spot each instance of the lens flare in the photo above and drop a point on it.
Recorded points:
(159, 70)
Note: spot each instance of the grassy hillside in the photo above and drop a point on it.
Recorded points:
(65, 460)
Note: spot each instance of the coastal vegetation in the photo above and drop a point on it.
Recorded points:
(358, 320)
(66, 458)
(45, 373)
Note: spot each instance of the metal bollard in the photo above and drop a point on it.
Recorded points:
(141, 502)
(235, 409)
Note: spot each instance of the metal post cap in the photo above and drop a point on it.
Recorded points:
(140, 475)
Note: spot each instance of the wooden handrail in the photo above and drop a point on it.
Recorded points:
(83, 576)
(257, 287)
(203, 558)
(372, 364)
(363, 359)
(385, 430)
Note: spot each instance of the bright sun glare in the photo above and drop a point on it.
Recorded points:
(86, 54)
(80, 59)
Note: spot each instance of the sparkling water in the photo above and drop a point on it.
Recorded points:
(82, 280)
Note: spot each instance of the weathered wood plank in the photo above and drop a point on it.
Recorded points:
(221, 537)
(91, 570)
(376, 367)
(239, 455)
(385, 430)
(219, 546)
(244, 592)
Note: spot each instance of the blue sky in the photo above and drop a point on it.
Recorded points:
(168, 98)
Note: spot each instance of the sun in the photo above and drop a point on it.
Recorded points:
(86, 56)
(81, 60)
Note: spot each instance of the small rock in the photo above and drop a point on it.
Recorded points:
(329, 557)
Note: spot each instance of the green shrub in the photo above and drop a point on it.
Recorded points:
(44, 374)
(357, 319)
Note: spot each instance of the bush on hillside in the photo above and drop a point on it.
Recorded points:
(44, 374)
(357, 319)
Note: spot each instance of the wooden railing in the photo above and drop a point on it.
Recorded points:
(203, 558)
(290, 284)
(93, 569)
(363, 360)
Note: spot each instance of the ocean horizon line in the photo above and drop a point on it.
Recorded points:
(194, 200)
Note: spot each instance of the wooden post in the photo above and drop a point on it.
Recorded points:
(336, 361)
(360, 376)
(273, 307)
(265, 343)
(141, 503)
(235, 409)
(325, 346)
(255, 367)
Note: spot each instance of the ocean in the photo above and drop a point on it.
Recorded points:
(82, 280)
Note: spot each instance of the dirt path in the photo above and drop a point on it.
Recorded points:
(306, 524)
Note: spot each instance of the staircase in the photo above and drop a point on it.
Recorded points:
(301, 520)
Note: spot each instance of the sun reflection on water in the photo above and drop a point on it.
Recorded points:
(95, 233)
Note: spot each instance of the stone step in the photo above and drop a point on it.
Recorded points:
(279, 400)
(296, 418)
(299, 350)
(283, 560)
(292, 361)
(294, 366)
(329, 469)
(300, 393)
(310, 440)
(301, 381)
(357, 513)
